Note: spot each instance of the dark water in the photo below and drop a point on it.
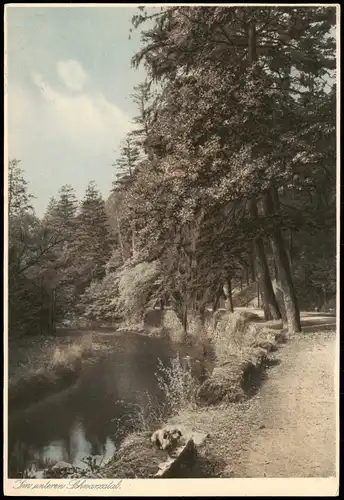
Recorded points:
(91, 417)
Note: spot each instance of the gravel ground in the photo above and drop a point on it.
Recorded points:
(295, 409)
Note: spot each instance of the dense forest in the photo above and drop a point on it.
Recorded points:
(228, 181)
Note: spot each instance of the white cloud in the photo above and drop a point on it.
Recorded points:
(82, 117)
(72, 74)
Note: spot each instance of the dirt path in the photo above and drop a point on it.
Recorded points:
(292, 420)
(288, 429)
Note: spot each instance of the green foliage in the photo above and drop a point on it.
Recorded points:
(137, 288)
(246, 103)
(53, 260)
(93, 246)
(127, 162)
(100, 300)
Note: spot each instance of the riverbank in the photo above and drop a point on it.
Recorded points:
(277, 400)
(40, 366)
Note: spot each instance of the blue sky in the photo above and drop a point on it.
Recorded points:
(69, 85)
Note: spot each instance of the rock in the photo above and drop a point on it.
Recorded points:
(267, 345)
(183, 458)
(250, 316)
(166, 438)
(170, 436)
(62, 465)
(38, 474)
(170, 452)
(281, 338)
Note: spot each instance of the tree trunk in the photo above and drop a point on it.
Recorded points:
(219, 294)
(324, 297)
(42, 312)
(252, 266)
(290, 249)
(51, 312)
(270, 305)
(201, 315)
(53, 308)
(271, 206)
(185, 321)
(275, 271)
(228, 292)
(271, 309)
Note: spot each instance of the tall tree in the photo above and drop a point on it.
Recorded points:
(94, 246)
(142, 97)
(275, 55)
(127, 161)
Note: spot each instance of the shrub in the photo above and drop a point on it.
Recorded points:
(177, 385)
(178, 388)
(100, 300)
(136, 288)
(173, 327)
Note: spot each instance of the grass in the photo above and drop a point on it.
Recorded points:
(178, 388)
(241, 345)
(40, 366)
(177, 384)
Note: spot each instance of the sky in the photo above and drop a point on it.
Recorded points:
(69, 81)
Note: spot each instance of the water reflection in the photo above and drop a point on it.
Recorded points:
(79, 449)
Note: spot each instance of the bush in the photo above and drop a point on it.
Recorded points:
(136, 288)
(177, 385)
(100, 301)
(173, 327)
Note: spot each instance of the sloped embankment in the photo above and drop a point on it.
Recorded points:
(242, 346)
(47, 367)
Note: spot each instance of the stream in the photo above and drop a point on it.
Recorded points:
(94, 415)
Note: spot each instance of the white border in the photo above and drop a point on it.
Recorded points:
(175, 487)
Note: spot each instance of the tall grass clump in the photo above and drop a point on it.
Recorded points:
(177, 384)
